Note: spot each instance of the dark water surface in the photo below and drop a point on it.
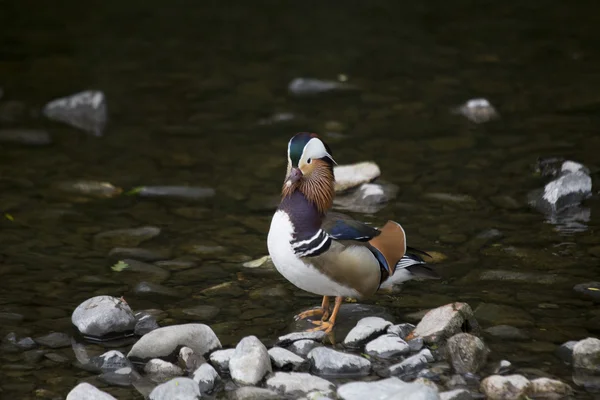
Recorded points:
(187, 83)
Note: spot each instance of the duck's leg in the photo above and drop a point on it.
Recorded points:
(323, 310)
(327, 326)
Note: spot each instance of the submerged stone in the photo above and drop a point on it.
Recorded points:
(25, 137)
(125, 237)
(84, 110)
(177, 192)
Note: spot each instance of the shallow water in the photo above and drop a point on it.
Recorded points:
(187, 86)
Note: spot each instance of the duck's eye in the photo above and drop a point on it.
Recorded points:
(309, 160)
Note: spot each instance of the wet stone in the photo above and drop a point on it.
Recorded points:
(507, 332)
(286, 360)
(401, 330)
(120, 377)
(119, 253)
(176, 389)
(150, 289)
(550, 389)
(288, 339)
(467, 353)
(161, 371)
(11, 318)
(456, 394)
(365, 330)
(378, 390)
(176, 265)
(511, 387)
(387, 346)
(201, 312)
(565, 351)
(586, 354)
(26, 343)
(144, 323)
(85, 391)
(206, 377)
(54, 340)
(443, 322)
(176, 192)
(416, 391)
(57, 358)
(367, 198)
(250, 362)
(89, 188)
(298, 383)
(312, 86)
(125, 237)
(33, 356)
(102, 315)
(350, 176)
(26, 137)
(415, 344)
(165, 341)
(84, 110)
(411, 365)
(110, 361)
(478, 110)
(220, 359)
(188, 360)
(303, 347)
(253, 393)
(590, 290)
(329, 362)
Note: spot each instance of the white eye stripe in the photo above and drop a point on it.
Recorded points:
(314, 149)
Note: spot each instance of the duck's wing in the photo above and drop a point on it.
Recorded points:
(342, 227)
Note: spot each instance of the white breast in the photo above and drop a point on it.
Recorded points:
(294, 269)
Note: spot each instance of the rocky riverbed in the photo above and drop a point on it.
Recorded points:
(442, 357)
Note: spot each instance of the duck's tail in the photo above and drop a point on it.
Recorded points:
(411, 266)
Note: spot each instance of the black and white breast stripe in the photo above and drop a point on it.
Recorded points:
(313, 246)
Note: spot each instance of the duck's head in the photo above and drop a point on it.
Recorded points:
(310, 170)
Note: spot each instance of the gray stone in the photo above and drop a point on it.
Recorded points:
(590, 290)
(415, 391)
(161, 371)
(150, 289)
(415, 344)
(350, 176)
(125, 237)
(110, 361)
(401, 330)
(568, 190)
(365, 330)
(54, 340)
(164, 341)
(188, 360)
(102, 315)
(507, 332)
(133, 270)
(176, 389)
(332, 363)
(500, 314)
(57, 358)
(250, 362)
(295, 336)
(26, 343)
(411, 365)
(456, 394)
(478, 110)
(201, 312)
(387, 346)
(312, 86)
(467, 353)
(220, 359)
(88, 188)
(286, 360)
(565, 351)
(367, 198)
(298, 383)
(443, 322)
(206, 377)
(178, 192)
(84, 110)
(550, 389)
(378, 390)
(511, 387)
(253, 393)
(26, 137)
(120, 377)
(85, 391)
(144, 323)
(586, 354)
(303, 347)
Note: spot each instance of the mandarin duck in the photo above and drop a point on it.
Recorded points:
(328, 253)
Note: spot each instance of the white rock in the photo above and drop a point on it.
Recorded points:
(165, 341)
(411, 365)
(550, 389)
(290, 338)
(250, 362)
(303, 347)
(285, 359)
(387, 346)
(576, 185)
(110, 361)
(84, 110)
(478, 110)
(102, 315)
(298, 383)
(309, 86)
(401, 330)
(443, 322)
(586, 354)
(378, 390)
(220, 359)
(415, 391)
(161, 371)
(467, 353)
(365, 330)
(85, 391)
(456, 394)
(329, 362)
(349, 176)
(176, 389)
(188, 360)
(206, 377)
(253, 393)
(511, 387)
